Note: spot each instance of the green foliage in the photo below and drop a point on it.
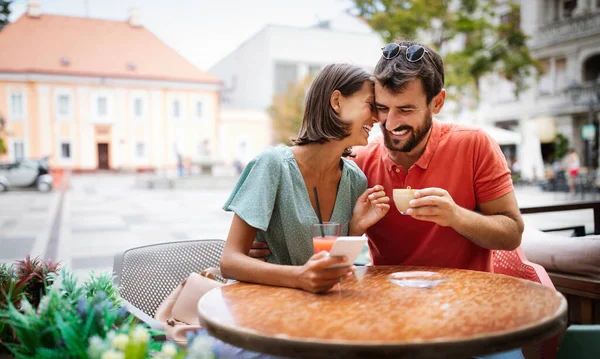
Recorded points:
(489, 46)
(60, 328)
(57, 320)
(561, 146)
(78, 321)
(3, 149)
(4, 13)
(102, 282)
(287, 111)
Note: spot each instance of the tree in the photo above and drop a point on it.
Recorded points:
(561, 146)
(4, 12)
(488, 47)
(287, 111)
(3, 149)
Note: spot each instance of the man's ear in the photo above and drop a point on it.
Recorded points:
(335, 100)
(438, 102)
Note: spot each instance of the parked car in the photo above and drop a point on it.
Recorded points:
(25, 173)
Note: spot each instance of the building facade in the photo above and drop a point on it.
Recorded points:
(268, 62)
(276, 57)
(565, 38)
(97, 94)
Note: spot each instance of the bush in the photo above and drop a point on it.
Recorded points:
(45, 313)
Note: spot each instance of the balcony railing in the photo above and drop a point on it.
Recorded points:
(568, 29)
(587, 94)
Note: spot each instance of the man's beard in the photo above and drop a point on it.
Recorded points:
(416, 135)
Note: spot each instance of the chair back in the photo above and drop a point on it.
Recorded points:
(146, 275)
(515, 264)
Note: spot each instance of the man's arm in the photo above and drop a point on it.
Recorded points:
(497, 225)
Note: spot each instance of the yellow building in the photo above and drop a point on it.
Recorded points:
(99, 94)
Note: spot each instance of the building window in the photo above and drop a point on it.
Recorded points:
(568, 6)
(545, 84)
(285, 75)
(203, 149)
(64, 103)
(199, 109)
(561, 81)
(176, 109)
(138, 107)
(16, 102)
(65, 151)
(18, 150)
(140, 150)
(102, 106)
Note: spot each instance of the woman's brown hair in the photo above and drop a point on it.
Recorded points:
(320, 122)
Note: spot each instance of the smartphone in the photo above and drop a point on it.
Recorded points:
(349, 247)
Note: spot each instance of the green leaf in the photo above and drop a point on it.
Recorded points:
(488, 48)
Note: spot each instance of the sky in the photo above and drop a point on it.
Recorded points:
(203, 31)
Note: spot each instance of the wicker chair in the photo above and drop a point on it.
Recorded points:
(515, 264)
(146, 275)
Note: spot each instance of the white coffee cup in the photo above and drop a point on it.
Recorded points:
(402, 196)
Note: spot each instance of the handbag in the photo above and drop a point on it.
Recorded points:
(178, 312)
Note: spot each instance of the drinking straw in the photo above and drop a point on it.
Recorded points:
(319, 211)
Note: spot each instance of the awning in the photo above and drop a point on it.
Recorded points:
(502, 136)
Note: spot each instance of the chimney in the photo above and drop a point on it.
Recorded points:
(33, 8)
(134, 17)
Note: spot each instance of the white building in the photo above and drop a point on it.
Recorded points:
(265, 64)
(276, 56)
(565, 37)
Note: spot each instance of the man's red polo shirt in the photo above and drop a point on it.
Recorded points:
(462, 160)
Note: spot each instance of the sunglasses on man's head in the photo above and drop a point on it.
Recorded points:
(414, 53)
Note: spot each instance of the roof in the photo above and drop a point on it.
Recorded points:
(92, 47)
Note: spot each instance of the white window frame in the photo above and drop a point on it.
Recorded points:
(60, 154)
(177, 101)
(201, 148)
(11, 148)
(98, 114)
(202, 116)
(71, 108)
(142, 105)
(144, 155)
(11, 111)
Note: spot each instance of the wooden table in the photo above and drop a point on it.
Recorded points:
(471, 313)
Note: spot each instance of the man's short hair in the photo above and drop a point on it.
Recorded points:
(396, 73)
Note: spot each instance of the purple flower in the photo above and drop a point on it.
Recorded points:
(82, 305)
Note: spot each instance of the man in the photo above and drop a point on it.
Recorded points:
(465, 204)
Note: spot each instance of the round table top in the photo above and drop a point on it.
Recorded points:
(471, 313)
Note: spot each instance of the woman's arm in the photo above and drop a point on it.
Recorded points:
(313, 276)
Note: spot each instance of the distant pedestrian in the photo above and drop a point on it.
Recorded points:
(180, 164)
(572, 165)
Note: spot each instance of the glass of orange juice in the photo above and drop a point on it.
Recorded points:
(324, 235)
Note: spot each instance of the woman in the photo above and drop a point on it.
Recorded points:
(274, 201)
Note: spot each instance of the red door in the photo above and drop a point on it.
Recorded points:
(103, 156)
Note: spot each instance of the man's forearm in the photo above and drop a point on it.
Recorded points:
(496, 231)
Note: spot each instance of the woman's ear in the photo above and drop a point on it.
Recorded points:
(336, 101)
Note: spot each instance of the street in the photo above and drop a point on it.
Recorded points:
(102, 214)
